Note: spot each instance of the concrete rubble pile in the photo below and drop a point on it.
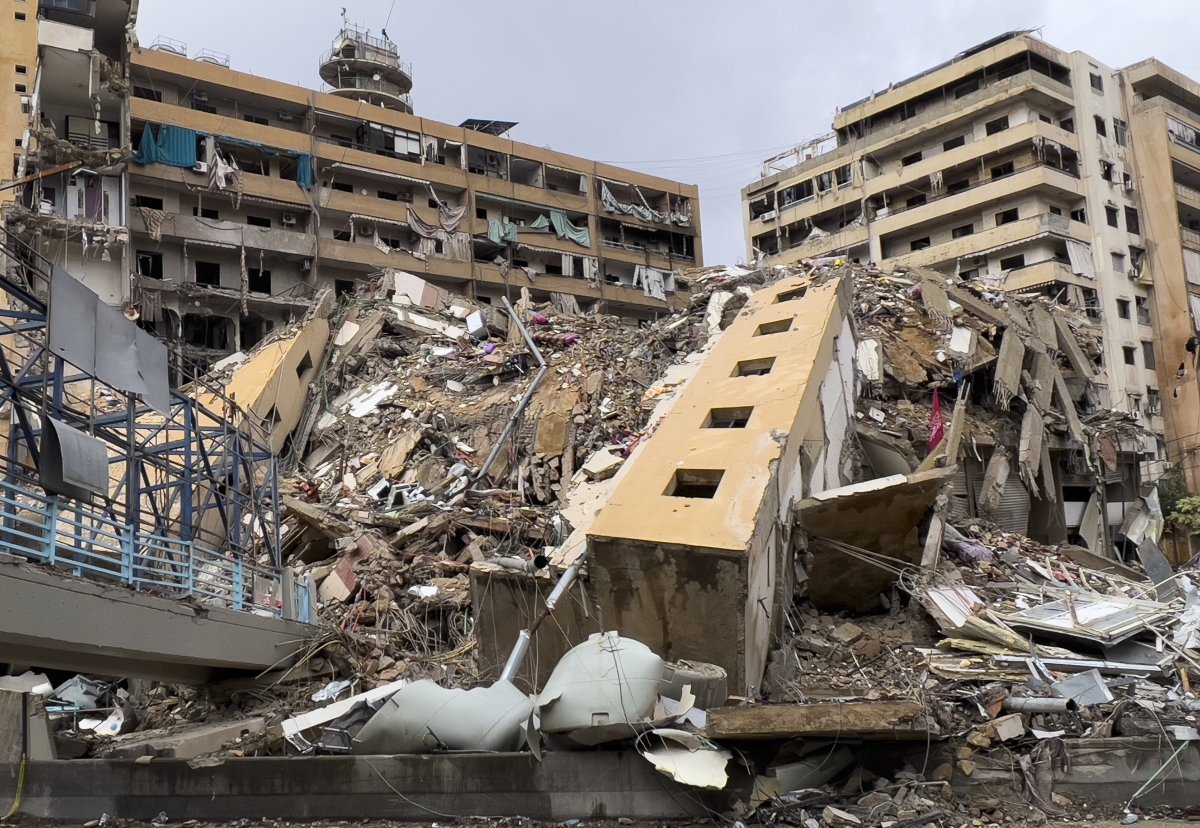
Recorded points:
(932, 666)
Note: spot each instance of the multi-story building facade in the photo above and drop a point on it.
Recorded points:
(212, 204)
(1024, 168)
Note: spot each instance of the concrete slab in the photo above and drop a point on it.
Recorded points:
(59, 622)
(186, 743)
(883, 720)
(583, 785)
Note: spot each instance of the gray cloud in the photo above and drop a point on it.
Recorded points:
(697, 90)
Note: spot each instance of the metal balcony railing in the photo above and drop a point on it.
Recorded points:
(1190, 236)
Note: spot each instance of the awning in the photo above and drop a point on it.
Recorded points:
(338, 165)
(203, 243)
(376, 220)
(522, 245)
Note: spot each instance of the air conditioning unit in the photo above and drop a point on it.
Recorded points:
(200, 96)
(288, 219)
(1129, 185)
(770, 215)
(286, 117)
(201, 167)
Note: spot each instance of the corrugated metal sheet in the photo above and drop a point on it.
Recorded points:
(1012, 515)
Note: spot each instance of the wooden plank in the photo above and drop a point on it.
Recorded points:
(877, 720)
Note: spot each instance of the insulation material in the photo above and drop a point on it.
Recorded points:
(688, 758)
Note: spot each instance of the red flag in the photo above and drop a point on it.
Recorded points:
(937, 426)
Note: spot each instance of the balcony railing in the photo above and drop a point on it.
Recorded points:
(1072, 172)
(1184, 191)
(1190, 236)
(368, 85)
(83, 541)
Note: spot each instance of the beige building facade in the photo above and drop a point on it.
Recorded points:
(1018, 166)
(18, 68)
(213, 204)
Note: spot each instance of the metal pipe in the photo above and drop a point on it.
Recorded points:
(528, 395)
(1039, 705)
(517, 657)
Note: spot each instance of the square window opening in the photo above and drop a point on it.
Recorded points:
(768, 328)
(1006, 216)
(258, 281)
(1130, 355)
(208, 273)
(910, 159)
(1002, 170)
(1013, 262)
(998, 125)
(954, 143)
(789, 295)
(919, 244)
(1111, 215)
(754, 367)
(729, 417)
(695, 483)
(965, 230)
(1123, 308)
(304, 369)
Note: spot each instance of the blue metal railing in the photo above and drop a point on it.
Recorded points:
(81, 540)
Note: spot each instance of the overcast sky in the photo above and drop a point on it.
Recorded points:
(695, 90)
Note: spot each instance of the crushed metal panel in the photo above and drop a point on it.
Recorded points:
(1166, 588)
(1102, 619)
(73, 464)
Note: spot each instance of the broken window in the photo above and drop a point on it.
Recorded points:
(843, 176)
(1123, 308)
(1100, 129)
(1143, 305)
(1013, 262)
(1002, 170)
(1097, 82)
(729, 417)
(906, 110)
(797, 192)
(1130, 354)
(998, 125)
(1132, 221)
(150, 264)
(964, 230)
(1136, 256)
(1148, 354)
(214, 332)
(919, 244)
(754, 367)
(1106, 170)
(387, 196)
(824, 182)
(148, 202)
(1153, 401)
(911, 158)
(1121, 132)
(1112, 216)
(699, 483)
(1079, 215)
(258, 221)
(1055, 211)
(958, 186)
(1067, 125)
(342, 187)
(201, 106)
(208, 273)
(1007, 216)
(258, 281)
(954, 143)
(254, 328)
(343, 287)
(342, 235)
(965, 89)
(916, 201)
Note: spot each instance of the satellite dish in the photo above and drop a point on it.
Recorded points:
(376, 77)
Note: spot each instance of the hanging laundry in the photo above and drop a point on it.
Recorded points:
(501, 232)
(153, 220)
(451, 217)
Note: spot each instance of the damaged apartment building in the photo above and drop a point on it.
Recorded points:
(1020, 167)
(224, 201)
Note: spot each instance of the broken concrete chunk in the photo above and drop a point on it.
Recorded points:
(603, 464)
(846, 634)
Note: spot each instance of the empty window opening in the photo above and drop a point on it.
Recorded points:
(1133, 222)
(998, 125)
(1055, 211)
(253, 329)
(1100, 128)
(1097, 81)
(258, 221)
(1130, 354)
(22, 70)
(255, 119)
(386, 196)
(697, 483)
(206, 212)
(208, 273)
(1121, 132)
(729, 417)
(789, 295)
(1079, 215)
(214, 332)
(767, 328)
(258, 281)
(754, 367)
(958, 186)
(1143, 310)
(1006, 216)
(20, 88)
(910, 159)
(342, 187)
(304, 369)
(148, 201)
(1123, 308)
(1002, 170)
(916, 201)
(965, 230)
(1013, 262)
(150, 265)
(1106, 170)
(481, 212)
(1112, 216)
(19, 15)
(919, 244)
(954, 143)
(1067, 125)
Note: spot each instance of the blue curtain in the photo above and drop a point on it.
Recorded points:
(170, 145)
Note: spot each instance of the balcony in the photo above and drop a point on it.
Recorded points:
(1190, 237)
(1187, 193)
(1040, 274)
(1031, 178)
(375, 92)
(843, 241)
(178, 226)
(1006, 235)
